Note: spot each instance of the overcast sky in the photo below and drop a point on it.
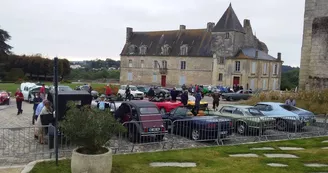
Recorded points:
(85, 29)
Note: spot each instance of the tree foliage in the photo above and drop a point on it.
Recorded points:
(4, 47)
(88, 74)
(289, 79)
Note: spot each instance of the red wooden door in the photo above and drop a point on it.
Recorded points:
(236, 80)
(163, 81)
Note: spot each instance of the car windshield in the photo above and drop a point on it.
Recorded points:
(253, 112)
(133, 88)
(149, 110)
(141, 88)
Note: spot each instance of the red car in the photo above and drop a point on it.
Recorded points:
(167, 106)
(4, 97)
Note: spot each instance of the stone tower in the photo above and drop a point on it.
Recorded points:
(314, 60)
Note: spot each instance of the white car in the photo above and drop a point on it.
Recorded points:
(135, 94)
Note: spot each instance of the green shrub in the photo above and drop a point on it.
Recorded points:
(89, 128)
(14, 74)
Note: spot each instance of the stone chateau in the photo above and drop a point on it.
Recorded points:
(314, 64)
(225, 53)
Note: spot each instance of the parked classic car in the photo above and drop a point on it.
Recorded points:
(142, 119)
(94, 93)
(247, 119)
(4, 97)
(197, 127)
(239, 95)
(33, 90)
(287, 117)
(166, 105)
(135, 93)
(143, 88)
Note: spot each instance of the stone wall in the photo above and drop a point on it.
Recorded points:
(311, 59)
(198, 70)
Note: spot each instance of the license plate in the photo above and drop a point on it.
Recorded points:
(154, 129)
(223, 133)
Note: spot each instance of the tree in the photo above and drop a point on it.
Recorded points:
(4, 47)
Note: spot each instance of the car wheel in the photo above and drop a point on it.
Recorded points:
(241, 128)
(281, 125)
(162, 110)
(229, 99)
(132, 97)
(141, 98)
(195, 134)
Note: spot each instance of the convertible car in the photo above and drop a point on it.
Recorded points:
(287, 117)
(247, 119)
(197, 127)
(4, 97)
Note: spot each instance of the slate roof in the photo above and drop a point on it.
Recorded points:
(251, 52)
(229, 22)
(198, 41)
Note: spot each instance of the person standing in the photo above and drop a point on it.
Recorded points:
(290, 101)
(101, 105)
(108, 91)
(19, 100)
(184, 98)
(127, 93)
(36, 101)
(174, 94)
(43, 92)
(45, 110)
(151, 93)
(198, 98)
(90, 88)
(216, 100)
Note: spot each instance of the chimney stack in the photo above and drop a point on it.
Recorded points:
(257, 54)
(182, 27)
(247, 23)
(210, 26)
(279, 56)
(129, 33)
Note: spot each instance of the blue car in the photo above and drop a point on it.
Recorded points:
(287, 117)
(197, 127)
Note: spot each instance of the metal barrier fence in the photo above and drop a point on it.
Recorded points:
(19, 145)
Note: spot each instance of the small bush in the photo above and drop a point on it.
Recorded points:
(66, 81)
(89, 128)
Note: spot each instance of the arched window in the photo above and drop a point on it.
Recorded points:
(143, 50)
(166, 49)
(184, 50)
(132, 49)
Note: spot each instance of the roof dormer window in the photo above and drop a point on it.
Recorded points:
(184, 50)
(132, 49)
(166, 49)
(143, 50)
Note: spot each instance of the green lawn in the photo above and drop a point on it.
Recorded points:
(11, 87)
(215, 159)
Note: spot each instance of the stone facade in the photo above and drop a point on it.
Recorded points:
(198, 70)
(201, 56)
(314, 65)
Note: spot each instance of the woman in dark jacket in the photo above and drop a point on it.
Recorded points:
(184, 98)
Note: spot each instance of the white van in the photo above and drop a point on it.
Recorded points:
(25, 88)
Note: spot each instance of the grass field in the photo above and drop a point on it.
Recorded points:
(215, 159)
(11, 87)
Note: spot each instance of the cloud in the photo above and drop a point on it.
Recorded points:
(83, 29)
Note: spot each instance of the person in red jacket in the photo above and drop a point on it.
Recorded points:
(108, 91)
(43, 92)
(19, 100)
